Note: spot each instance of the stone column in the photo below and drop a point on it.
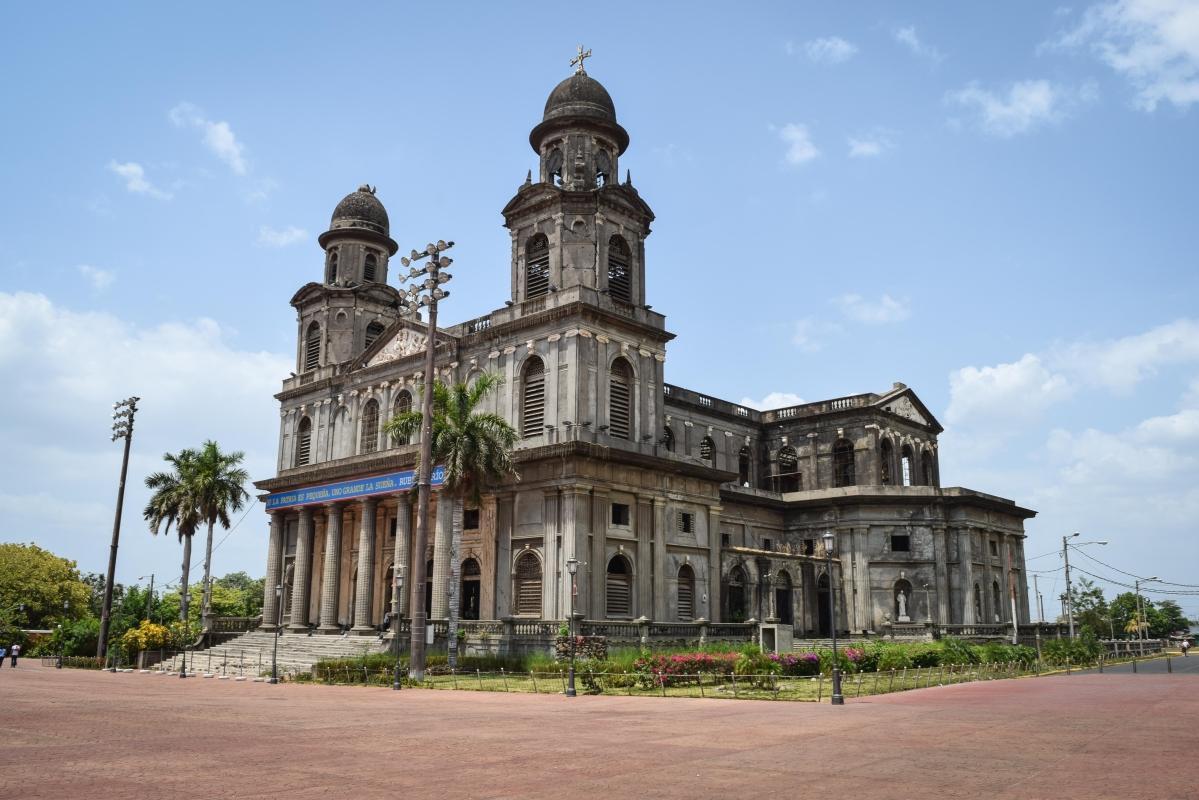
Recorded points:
(714, 563)
(402, 552)
(659, 589)
(551, 577)
(366, 567)
(301, 576)
(274, 560)
(489, 531)
(332, 569)
(966, 565)
(650, 572)
(440, 607)
(940, 615)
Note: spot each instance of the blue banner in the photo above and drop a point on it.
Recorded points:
(349, 490)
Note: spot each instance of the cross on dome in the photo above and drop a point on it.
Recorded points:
(578, 61)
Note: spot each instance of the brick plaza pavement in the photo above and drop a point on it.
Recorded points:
(73, 733)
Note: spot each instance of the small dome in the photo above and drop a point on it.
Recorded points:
(361, 209)
(580, 95)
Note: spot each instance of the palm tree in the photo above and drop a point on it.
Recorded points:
(219, 484)
(475, 447)
(174, 502)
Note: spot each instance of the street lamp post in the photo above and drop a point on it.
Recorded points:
(426, 292)
(1066, 545)
(1141, 624)
(829, 543)
(278, 633)
(572, 567)
(395, 621)
(122, 428)
(62, 642)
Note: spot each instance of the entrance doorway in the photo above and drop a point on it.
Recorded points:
(470, 590)
(824, 611)
(735, 605)
(783, 599)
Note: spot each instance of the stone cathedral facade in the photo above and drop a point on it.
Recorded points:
(680, 506)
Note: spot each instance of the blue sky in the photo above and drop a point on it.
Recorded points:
(994, 205)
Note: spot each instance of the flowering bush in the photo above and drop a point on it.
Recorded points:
(146, 636)
(668, 670)
(796, 664)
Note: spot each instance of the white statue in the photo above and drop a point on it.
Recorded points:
(902, 600)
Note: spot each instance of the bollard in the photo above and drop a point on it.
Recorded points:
(1169, 665)
(891, 682)
(1134, 665)
(1100, 665)
(819, 687)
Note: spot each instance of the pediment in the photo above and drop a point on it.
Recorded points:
(403, 342)
(903, 402)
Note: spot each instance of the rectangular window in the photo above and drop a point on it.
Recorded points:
(392, 532)
(809, 547)
(686, 522)
(470, 519)
(994, 548)
(767, 544)
(726, 540)
(901, 544)
(620, 514)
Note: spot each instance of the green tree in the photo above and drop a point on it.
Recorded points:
(176, 502)
(475, 447)
(1167, 619)
(38, 590)
(218, 482)
(1090, 607)
(225, 602)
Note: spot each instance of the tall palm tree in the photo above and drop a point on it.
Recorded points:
(476, 448)
(174, 502)
(219, 484)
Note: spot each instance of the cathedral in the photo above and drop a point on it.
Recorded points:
(678, 506)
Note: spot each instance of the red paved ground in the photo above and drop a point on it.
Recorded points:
(74, 733)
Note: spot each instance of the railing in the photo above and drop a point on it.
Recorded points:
(532, 306)
(480, 324)
(236, 624)
(822, 407)
(534, 628)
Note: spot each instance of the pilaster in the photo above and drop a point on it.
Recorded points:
(366, 566)
(332, 568)
(274, 561)
(302, 574)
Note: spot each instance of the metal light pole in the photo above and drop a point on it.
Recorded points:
(1040, 605)
(1066, 545)
(572, 567)
(122, 428)
(395, 621)
(829, 543)
(278, 633)
(1141, 623)
(424, 293)
(150, 596)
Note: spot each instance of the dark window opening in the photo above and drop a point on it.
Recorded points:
(789, 478)
(620, 514)
(304, 443)
(726, 540)
(619, 600)
(373, 332)
(743, 467)
(843, 466)
(668, 439)
(370, 269)
(994, 548)
(901, 543)
(537, 266)
(686, 522)
(707, 450)
(369, 442)
(553, 167)
(470, 519)
(620, 284)
(767, 544)
(886, 455)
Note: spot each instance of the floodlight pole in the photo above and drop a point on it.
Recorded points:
(122, 428)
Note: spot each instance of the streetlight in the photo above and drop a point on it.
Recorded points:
(1141, 624)
(1066, 545)
(122, 428)
(426, 292)
(62, 642)
(829, 543)
(572, 566)
(395, 621)
(278, 633)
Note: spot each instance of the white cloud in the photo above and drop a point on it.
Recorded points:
(1120, 364)
(99, 278)
(907, 37)
(1025, 105)
(218, 136)
(134, 176)
(873, 312)
(773, 400)
(67, 368)
(272, 237)
(800, 148)
(1152, 43)
(808, 334)
(829, 50)
(1016, 391)
(870, 146)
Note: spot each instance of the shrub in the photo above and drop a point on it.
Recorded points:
(796, 664)
(146, 636)
(956, 651)
(893, 657)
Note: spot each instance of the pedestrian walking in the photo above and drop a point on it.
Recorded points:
(1186, 645)
(3, 653)
(16, 652)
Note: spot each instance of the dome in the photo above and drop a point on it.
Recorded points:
(580, 95)
(361, 209)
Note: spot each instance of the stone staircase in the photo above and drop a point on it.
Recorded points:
(250, 653)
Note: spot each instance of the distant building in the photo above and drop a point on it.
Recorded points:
(678, 504)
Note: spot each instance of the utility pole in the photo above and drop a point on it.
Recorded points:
(122, 428)
(150, 596)
(424, 293)
(1040, 601)
(1069, 599)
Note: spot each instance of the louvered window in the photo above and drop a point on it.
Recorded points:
(312, 347)
(686, 593)
(843, 467)
(537, 266)
(403, 405)
(332, 267)
(532, 414)
(370, 268)
(304, 442)
(620, 588)
(620, 383)
(620, 283)
(373, 332)
(707, 450)
(369, 442)
(527, 590)
(668, 439)
(743, 466)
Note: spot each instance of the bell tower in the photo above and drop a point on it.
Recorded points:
(578, 225)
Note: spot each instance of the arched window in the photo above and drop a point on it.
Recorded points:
(470, 594)
(526, 589)
(886, 455)
(668, 439)
(603, 168)
(789, 478)
(996, 602)
(784, 602)
(403, 405)
(532, 410)
(843, 467)
(906, 465)
(368, 442)
(537, 266)
(926, 467)
(978, 603)
(370, 267)
(619, 588)
(735, 607)
(553, 167)
(743, 459)
(620, 390)
(312, 347)
(373, 332)
(686, 593)
(707, 450)
(303, 443)
(331, 273)
(902, 608)
(620, 282)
